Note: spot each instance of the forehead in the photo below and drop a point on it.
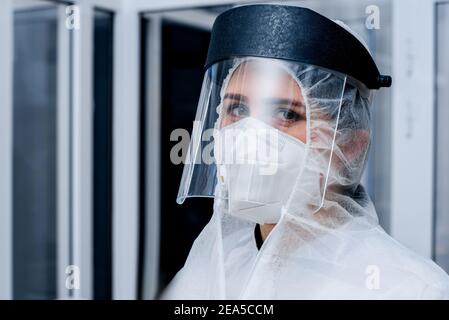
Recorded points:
(263, 79)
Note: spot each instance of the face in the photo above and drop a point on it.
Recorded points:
(267, 93)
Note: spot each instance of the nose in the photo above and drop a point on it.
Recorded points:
(260, 113)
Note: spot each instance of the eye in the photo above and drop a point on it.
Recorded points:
(238, 110)
(287, 115)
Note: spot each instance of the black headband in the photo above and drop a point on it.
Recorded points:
(292, 33)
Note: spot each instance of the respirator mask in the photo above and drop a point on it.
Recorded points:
(256, 164)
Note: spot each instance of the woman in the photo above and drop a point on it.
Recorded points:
(287, 94)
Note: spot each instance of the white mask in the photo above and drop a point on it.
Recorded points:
(257, 167)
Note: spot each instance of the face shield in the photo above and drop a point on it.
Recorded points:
(270, 133)
(282, 121)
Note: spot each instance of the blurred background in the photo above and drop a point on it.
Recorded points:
(90, 92)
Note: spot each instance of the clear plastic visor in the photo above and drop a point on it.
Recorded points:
(260, 124)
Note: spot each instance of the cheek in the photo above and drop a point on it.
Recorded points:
(298, 130)
(225, 121)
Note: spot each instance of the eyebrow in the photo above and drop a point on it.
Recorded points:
(235, 96)
(282, 101)
(287, 102)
